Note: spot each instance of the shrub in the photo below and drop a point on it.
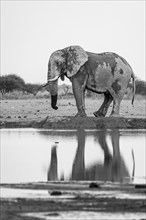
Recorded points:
(31, 88)
(11, 82)
(140, 87)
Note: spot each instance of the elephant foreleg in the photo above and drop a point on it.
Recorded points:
(79, 94)
(105, 105)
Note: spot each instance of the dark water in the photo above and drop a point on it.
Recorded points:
(41, 155)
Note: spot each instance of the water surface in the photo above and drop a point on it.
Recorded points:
(29, 155)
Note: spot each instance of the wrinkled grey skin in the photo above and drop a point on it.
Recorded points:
(106, 73)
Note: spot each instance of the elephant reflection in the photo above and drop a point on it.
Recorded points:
(78, 171)
(53, 171)
(113, 168)
(78, 166)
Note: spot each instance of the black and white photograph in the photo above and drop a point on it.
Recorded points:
(73, 110)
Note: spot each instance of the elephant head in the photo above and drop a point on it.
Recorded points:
(65, 62)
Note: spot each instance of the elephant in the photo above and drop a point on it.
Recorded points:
(106, 73)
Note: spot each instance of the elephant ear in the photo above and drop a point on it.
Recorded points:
(76, 57)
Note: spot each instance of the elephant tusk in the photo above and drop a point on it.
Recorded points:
(50, 80)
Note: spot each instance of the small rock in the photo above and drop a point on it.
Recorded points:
(19, 116)
(25, 116)
(94, 185)
(140, 186)
(56, 193)
(9, 117)
(2, 123)
(52, 214)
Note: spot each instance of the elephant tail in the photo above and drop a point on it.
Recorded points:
(133, 87)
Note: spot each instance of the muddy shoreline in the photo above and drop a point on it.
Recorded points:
(75, 123)
(72, 197)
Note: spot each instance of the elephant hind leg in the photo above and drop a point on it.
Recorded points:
(105, 105)
(116, 107)
(117, 98)
(116, 103)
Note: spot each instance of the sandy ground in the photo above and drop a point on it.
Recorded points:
(72, 200)
(38, 113)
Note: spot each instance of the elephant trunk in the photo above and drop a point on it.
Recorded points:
(54, 102)
(53, 89)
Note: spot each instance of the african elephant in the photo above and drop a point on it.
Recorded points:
(106, 73)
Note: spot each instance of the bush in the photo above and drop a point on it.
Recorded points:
(140, 87)
(31, 88)
(11, 82)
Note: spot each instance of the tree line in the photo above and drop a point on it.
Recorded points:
(12, 82)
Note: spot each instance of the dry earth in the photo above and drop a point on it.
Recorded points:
(38, 113)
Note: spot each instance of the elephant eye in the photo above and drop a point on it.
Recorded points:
(58, 64)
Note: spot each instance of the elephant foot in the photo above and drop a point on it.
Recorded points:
(98, 114)
(81, 114)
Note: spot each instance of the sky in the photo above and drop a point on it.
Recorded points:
(32, 30)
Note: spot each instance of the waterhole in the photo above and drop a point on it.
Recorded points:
(29, 155)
